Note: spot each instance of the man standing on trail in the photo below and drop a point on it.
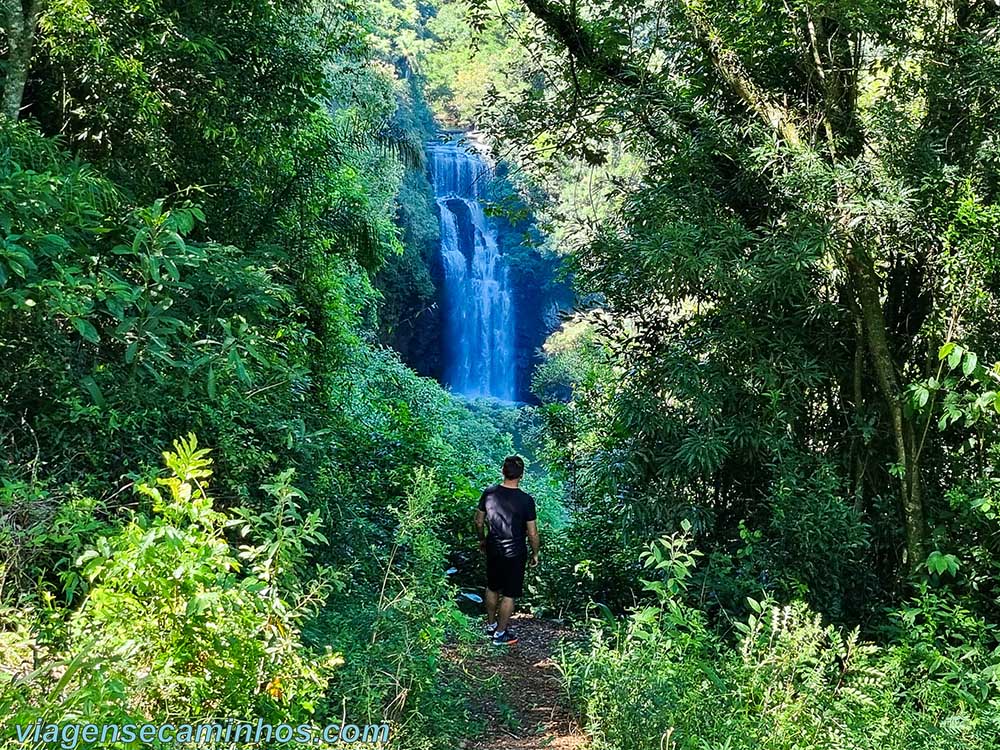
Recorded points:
(507, 515)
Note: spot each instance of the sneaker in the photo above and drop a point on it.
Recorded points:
(506, 638)
(489, 629)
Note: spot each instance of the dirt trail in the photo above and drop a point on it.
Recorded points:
(520, 694)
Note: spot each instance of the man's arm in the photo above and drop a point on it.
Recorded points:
(481, 529)
(533, 541)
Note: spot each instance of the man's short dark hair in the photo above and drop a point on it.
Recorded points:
(513, 467)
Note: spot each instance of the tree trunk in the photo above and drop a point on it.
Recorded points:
(19, 19)
(867, 288)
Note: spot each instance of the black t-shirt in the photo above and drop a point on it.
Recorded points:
(508, 511)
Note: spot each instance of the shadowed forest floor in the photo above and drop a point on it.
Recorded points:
(520, 696)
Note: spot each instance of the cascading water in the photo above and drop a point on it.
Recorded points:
(477, 303)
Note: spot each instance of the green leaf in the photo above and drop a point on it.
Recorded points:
(954, 357)
(605, 612)
(53, 242)
(130, 352)
(172, 270)
(125, 326)
(200, 602)
(90, 385)
(938, 563)
(945, 350)
(969, 363)
(241, 371)
(86, 329)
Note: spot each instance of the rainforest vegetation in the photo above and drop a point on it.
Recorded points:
(754, 249)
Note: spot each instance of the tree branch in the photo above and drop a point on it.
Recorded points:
(580, 43)
(730, 68)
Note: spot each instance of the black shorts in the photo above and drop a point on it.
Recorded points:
(505, 575)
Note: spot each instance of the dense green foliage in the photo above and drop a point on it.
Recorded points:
(189, 245)
(772, 287)
(784, 219)
(781, 220)
(789, 681)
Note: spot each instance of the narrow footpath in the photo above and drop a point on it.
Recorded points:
(520, 695)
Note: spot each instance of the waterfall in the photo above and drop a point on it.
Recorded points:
(476, 302)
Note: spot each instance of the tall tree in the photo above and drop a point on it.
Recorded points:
(870, 123)
(19, 20)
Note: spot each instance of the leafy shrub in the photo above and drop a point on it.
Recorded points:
(663, 679)
(177, 625)
(809, 517)
(393, 647)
